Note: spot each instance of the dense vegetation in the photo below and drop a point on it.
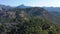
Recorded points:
(35, 25)
(33, 20)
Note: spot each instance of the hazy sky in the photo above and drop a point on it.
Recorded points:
(55, 3)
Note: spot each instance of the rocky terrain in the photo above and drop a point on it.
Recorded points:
(31, 20)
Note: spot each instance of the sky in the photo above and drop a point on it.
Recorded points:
(38, 3)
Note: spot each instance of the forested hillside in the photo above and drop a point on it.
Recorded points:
(33, 20)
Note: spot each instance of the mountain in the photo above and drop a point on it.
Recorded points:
(22, 6)
(31, 11)
(55, 13)
(3, 7)
(8, 12)
(57, 9)
(35, 12)
(32, 20)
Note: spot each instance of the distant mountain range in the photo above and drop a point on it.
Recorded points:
(54, 9)
(3, 7)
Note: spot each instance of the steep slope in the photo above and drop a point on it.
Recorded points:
(36, 25)
(28, 12)
(40, 12)
(57, 14)
(33, 12)
(33, 20)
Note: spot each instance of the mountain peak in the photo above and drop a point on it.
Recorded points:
(23, 6)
